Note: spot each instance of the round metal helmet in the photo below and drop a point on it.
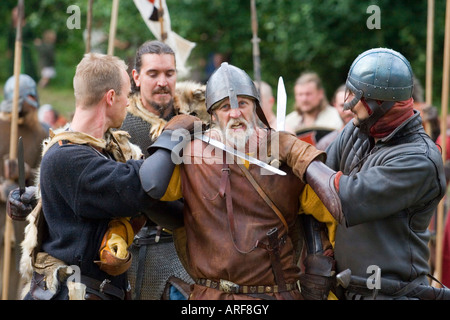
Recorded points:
(380, 74)
(27, 87)
(229, 81)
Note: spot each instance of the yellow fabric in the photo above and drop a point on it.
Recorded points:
(120, 236)
(122, 227)
(311, 204)
(117, 245)
(331, 296)
(173, 191)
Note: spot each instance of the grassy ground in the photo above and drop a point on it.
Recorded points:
(61, 99)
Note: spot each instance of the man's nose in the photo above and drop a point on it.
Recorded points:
(162, 81)
(235, 113)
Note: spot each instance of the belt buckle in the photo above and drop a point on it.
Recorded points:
(102, 285)
(228, 286)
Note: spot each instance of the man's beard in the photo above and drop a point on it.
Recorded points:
(238, 139)
(162, 108)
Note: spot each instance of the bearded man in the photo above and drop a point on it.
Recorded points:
(156, 271)
(240, 223)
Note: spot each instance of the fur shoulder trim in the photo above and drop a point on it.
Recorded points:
(190, 99)
(137, 109)
(74, 137)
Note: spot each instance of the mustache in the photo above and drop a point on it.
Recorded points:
(162, 90)
(237, 121)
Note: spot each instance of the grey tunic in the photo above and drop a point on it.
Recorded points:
(389, 192)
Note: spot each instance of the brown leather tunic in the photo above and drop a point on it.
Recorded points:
(213, 252)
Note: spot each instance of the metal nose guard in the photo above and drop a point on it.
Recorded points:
(231, 90)
(358, 95)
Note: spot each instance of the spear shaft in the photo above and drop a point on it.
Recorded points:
(255, 41)
(161, 21)
(113, 27)
(13, 142)
(444, 106)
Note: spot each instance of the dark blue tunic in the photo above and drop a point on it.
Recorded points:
(82, 190)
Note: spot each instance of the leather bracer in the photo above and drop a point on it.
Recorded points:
(321, 179)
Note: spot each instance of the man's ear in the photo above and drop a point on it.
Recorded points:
(110, 96)
(135, 76)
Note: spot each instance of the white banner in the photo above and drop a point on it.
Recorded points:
(181, 47)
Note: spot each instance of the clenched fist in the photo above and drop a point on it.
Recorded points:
(19, 206)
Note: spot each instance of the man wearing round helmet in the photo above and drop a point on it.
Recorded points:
(32, 133)
(240, 221)
(382, 182)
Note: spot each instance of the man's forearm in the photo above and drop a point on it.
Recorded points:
(155, 173)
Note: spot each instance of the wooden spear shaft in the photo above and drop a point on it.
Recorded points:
(89, 26)
(161, 21)
(13, 142)
(429, 63)
(255, 41)
(112, 27)
(444, 106)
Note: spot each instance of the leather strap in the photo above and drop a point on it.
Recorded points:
(225, 192)
(146, 236)
(274, 243)
(140, 272)
(230, 287)
(274, 252)
(102, 288)
(263, 195)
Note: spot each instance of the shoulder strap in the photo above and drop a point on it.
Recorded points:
(263, 195)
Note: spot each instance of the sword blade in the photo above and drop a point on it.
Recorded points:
(281, 105)
(21, 163)
(239, 154)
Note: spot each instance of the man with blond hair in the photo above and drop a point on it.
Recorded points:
(87, 191)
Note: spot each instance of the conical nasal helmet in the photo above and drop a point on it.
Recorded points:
(230, 82)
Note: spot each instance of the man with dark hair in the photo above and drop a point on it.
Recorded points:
(154, 101)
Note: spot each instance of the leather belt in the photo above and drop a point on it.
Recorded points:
(231, 287)
(102, 289)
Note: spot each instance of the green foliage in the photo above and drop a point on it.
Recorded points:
(324, 36)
